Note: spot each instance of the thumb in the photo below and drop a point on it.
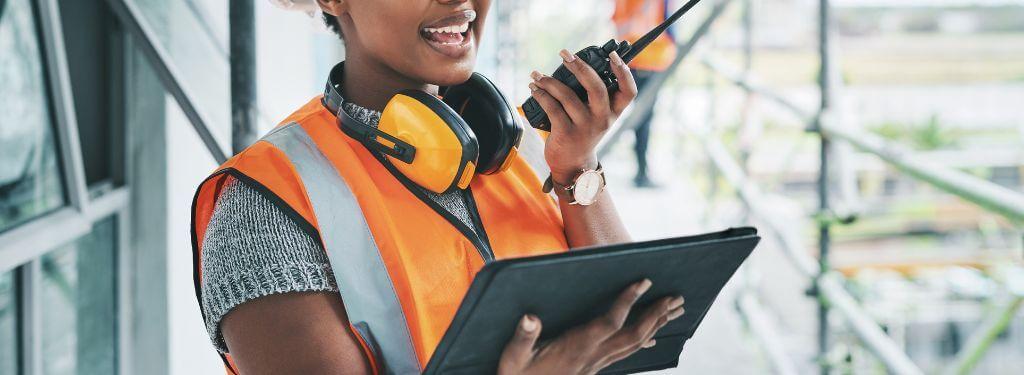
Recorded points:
(519, 350)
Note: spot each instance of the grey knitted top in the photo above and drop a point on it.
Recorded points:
(252, 249)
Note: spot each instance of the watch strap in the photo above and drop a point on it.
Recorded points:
(550, 184)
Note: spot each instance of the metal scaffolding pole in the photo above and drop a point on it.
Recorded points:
(764, 331)
(830, 285)
(746, 82)
(824, 223)
(747, 116)
(985, 194)
(242, 19)
(977, 345)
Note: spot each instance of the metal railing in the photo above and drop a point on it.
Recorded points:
(829, 286)
(988, 195)
(983, 193)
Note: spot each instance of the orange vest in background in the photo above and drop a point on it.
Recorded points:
(633, 19)
(402, 269)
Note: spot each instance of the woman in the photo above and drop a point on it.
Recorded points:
(300, 271)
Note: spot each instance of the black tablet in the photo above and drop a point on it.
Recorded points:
(568, 289)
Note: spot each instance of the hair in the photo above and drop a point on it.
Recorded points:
(332, 24)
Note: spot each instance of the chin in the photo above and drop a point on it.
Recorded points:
(450, 73)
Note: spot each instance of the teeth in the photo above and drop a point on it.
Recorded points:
(449, 29)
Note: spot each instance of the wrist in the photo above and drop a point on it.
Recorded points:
(564, 175)
(583, 189)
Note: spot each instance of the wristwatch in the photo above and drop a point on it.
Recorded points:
(585, 188)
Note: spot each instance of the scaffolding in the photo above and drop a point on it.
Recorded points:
(828, 286)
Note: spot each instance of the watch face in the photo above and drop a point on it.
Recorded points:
(588, 185)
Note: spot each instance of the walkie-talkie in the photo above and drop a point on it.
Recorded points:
(599, 59)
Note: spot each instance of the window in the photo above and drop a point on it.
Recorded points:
(30, 178)
(92, 41)
(59, 287)
(79, 294)
(199, 50)
(8, 324)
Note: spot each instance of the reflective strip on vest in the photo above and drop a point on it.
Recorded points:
(533, 152)
(363, 281)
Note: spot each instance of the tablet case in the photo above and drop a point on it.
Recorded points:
(568, 289)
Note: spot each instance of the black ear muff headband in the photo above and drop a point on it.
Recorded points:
(358, 130)
(491, 118)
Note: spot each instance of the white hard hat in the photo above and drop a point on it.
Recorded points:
(306, 6)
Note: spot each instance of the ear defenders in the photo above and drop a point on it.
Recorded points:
(439, 144)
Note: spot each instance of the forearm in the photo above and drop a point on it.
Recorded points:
(577, 126)
(597, 224)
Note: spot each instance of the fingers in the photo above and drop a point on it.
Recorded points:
(597, 93)
(627, 84)
(676, 313)
(675, 310)
(640, 331)
(556, 113)
(519, 350)
(639, 335)
(658, 318)
(612, 321)
(574, 107)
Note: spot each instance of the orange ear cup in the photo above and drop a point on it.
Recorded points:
(446, 151)
(431, 144)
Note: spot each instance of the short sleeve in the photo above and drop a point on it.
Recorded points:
(252, 249)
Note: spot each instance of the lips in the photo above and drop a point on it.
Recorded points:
(451, 35)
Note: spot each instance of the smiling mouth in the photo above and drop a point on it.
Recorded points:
(451, 35)
(447, 35)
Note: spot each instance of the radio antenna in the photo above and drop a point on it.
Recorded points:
(642, 43)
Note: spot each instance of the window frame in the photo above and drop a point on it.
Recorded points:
(22, 246)
(36, 236)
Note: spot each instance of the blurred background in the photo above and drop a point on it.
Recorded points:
(878, 145)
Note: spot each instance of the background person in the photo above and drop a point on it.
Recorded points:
(633, 19)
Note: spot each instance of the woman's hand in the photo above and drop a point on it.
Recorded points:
(593, 346)
(577, 127)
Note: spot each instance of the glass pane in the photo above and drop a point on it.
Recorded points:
(8, 324)
(194, 34)
(30, 182)
(80, 309)
(91, 42)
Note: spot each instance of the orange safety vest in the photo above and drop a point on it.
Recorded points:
(401, 267)
(633, 19)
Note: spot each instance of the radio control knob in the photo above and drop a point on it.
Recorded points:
(610, 46)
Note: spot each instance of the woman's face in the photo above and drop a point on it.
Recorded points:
(431, 41)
